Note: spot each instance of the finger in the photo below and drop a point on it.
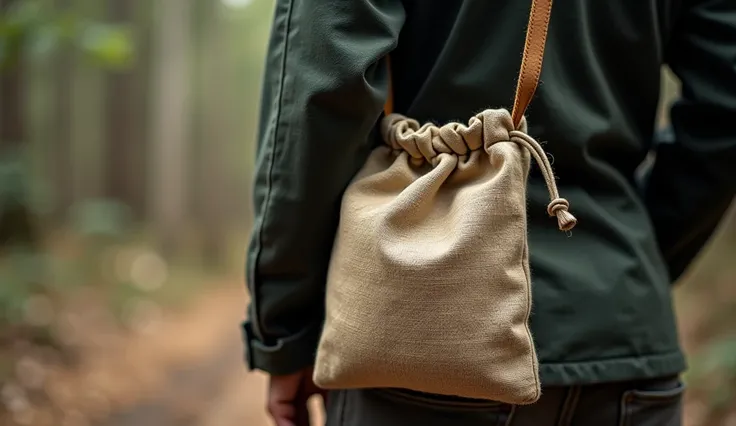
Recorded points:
(284, 422)
(283, 414)
(282, 395)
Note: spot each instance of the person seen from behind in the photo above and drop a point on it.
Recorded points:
(602, 314)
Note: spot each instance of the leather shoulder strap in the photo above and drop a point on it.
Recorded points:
(388, 107)
(531, 62)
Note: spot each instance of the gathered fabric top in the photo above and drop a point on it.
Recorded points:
(426, 142)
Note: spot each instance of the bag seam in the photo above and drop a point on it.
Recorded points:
(534, 361)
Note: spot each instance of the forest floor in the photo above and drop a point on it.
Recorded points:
(205, 383)
(186, 369)
(208, 384)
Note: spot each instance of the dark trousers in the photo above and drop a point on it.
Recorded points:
(654, 402)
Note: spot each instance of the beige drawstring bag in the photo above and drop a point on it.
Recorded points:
(428, 286)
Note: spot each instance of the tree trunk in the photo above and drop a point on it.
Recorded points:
(124, 171)
(62, 145)
(170, 123)
(11, 100)
(212, 121)
(11, 106)
(16, 222)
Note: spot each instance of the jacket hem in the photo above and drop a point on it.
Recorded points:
(612, 370)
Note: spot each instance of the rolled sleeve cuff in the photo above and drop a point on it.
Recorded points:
(288, 355)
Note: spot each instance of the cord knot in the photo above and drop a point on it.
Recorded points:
(559, 207)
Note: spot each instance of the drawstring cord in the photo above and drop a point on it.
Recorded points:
(558, 206)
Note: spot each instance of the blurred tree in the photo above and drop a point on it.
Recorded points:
(11, 88)
(171, 115)
(125, 142)
(62, 143)
(29, 30)
(210, 126)
(15, 216)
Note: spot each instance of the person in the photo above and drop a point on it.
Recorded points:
(602, 320)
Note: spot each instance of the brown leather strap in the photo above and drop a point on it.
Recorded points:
(388, 107)
(531, 62)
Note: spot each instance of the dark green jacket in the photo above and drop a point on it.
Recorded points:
(602, 296)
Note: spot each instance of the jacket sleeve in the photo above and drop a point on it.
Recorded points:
(325, 84)
(693, 179)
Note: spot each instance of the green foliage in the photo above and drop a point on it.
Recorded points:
(104, 218)
(21, 274)
(16, 223)
(19, 186)
(14, 180)
(29, 29)
(714, 372)
(107, 45)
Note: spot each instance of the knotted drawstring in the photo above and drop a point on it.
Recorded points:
(557, 206)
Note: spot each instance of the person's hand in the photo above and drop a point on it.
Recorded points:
(288, 395)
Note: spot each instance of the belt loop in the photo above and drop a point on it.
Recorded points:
(569, 406)
(510, 418)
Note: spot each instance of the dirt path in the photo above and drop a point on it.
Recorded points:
(198, 356)
(190, 394)
(182, 369)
